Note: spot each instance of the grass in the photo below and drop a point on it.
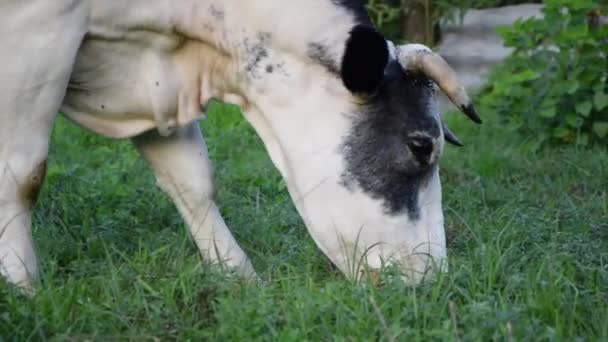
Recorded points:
(527, 231)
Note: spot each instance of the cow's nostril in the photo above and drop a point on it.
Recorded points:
(422, 148)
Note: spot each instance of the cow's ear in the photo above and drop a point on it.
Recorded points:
(364, 60)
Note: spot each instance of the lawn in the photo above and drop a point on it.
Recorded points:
(527, 237)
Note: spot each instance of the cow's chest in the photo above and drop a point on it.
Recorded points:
(122, 88)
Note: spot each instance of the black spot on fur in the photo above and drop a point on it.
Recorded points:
(256, 51)
(364, 61)
(377, 150)
(318, 52)
(357, 8)
(269, 69)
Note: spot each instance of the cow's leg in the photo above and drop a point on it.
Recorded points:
(38, 44)
(22, 172)
(183, 170)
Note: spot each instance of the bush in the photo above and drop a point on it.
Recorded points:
(388, 14)
(555, 85)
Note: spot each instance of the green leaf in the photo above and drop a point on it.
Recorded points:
(562, 132)
(574, 120)
(584, 108)
(600, 100)
(601, 129)
(526, 75)
(583, 139)
(548, 112)
(598, 87)
(573, 87)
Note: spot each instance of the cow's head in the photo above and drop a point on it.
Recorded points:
(352, 124)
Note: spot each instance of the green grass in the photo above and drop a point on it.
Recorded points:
(527, 231)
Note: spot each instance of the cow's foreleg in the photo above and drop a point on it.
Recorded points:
(38, 44)
(183, 170)
(21, 175)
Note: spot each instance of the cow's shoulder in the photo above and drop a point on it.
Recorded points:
(146, 80)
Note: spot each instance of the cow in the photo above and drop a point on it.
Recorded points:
(348, 118)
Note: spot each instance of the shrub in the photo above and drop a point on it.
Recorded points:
(555, 85)
(388, 14)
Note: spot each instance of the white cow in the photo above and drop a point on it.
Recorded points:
(349, 120)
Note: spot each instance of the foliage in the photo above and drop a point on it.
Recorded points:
(386, 14)
(555, 83)
(527, 240)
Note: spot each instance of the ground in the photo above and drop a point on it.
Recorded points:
(527, 229)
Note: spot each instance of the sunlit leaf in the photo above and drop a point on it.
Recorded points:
(584, 108)
(601, 129)
(600, 100)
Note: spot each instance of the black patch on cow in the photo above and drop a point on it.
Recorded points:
(256, 51)
(376, 151)
(319, 53)
(357, 8)
(364, 60)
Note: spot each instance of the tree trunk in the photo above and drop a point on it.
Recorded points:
(416, 22)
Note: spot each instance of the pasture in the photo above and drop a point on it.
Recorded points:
(527, 239)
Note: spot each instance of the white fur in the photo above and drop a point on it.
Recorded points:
(306, 133)
(183, 170)
(38, 44)
(151, 65)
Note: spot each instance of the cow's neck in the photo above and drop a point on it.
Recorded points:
(313, 28)
(296, 27)
(271, 52)
(259, 54)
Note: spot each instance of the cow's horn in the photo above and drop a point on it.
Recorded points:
(450, 137)
(416, 57)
